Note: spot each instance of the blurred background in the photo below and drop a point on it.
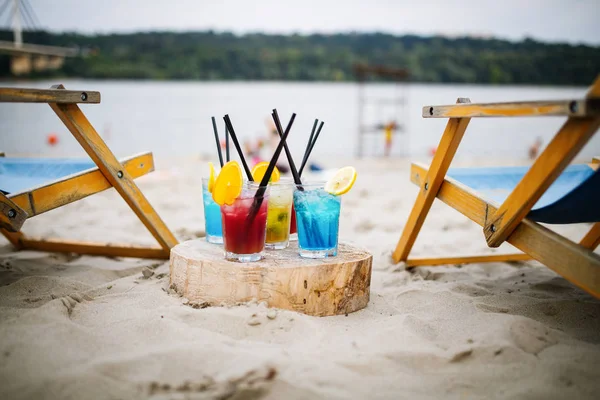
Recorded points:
(366, 68)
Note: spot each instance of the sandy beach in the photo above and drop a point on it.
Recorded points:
(81, 327)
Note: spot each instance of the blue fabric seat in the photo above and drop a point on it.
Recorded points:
(20, 174)
(573, 198)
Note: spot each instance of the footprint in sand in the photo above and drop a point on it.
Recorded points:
(531, 336)
(471, 290)
(365, 226)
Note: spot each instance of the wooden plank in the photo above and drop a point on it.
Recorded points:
(13, 237)
(76, 187)
(592, 239)
(436, 261)
(91, 248)
(19, 95)
(563, 148)
(114, 172)
(12, 216)
(575, 263)
(455, 129)
(572, 108)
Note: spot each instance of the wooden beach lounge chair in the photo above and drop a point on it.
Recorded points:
(510, 203)
(29, 187)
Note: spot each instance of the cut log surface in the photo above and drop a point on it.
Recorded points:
(322, 287)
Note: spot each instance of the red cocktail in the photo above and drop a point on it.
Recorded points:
(244, 225)
(293, 229)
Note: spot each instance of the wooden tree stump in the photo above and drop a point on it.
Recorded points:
(321, 287)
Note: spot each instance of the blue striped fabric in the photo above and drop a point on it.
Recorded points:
(572, 198)
(19, 174)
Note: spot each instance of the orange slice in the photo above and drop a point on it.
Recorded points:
(211, 178)
(259, 170)
(228, 185)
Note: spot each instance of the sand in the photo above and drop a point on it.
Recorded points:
(80, 327)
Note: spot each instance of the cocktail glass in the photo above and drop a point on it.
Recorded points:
(279, 215)
(244, 224)
(212, 216)
(317, 218)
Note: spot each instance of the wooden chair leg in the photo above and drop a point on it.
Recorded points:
(592, 239)
(438, 261)
(446, 150)
(74, 119)
(566, 144)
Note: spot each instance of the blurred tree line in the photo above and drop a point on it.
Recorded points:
(225, 56)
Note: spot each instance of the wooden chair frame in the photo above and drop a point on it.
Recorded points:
(576, 262)
(15, 208)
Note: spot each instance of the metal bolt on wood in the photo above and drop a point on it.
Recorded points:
(120, 174)
(573, 107)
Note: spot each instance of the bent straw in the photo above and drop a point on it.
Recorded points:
(311, 147)
(310, 139)
(275, 116)
(237, 146)
(227, 144)
(217, 140)
(258, 197)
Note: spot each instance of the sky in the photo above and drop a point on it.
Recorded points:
(573, 21)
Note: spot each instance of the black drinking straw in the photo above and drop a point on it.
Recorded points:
(258, 197)
(310, 139)
(275, 116)
(237, 146)
(227, 144)
(217, 140)
(311, 147)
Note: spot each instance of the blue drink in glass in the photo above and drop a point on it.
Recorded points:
(317, 220)
(212, 216)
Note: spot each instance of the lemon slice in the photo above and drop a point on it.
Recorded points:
(342, 181)
(258, 172)
(228, 185)
(211, 178)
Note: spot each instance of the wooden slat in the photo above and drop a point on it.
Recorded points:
(437, 261)
(455, 129)
(12, 216)
(91, 248)
(76, 187)
(92, 143)
(574, 262)
(592, 239)
(572, 108)
(563, 148)
(13, 237)
(18, 95)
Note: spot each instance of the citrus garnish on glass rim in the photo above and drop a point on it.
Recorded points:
(259, 171)
(341, 182)
(228, 185)
(212, 177)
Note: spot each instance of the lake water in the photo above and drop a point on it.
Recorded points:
(173, 118)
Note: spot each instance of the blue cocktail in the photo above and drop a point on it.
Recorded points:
(317, 220)
(212, 216)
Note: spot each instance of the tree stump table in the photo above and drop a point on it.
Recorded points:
(321, 287)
